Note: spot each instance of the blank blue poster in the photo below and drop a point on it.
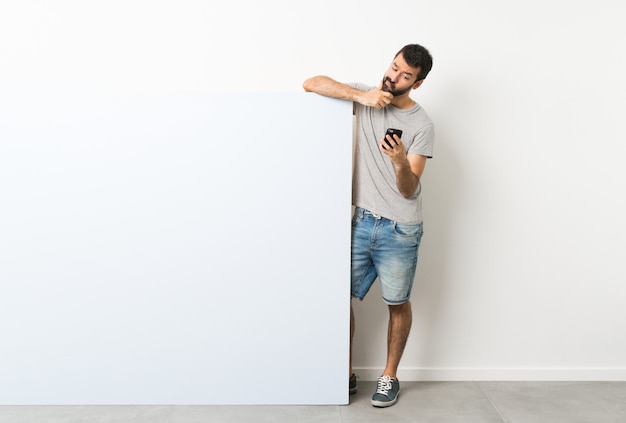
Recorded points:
(174, 248)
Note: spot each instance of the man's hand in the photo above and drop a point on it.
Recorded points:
(376, 98)
(409, 167)
(396, 151)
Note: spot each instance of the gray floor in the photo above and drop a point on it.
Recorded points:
(526, 402)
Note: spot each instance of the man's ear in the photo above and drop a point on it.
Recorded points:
(417, 84)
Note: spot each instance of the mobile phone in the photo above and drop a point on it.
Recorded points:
(391, 131)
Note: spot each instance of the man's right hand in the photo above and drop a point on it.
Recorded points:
(376, 98)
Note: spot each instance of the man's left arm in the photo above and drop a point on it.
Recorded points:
(409, 167)
(408, 174)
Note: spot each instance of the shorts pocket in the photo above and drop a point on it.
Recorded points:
(408, 230)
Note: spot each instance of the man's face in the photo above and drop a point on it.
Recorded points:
(400, 78)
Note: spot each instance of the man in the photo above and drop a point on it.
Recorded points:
(387, 222)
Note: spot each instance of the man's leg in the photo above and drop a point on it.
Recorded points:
(388, 386)
(351, 375)
(396, 263)
(400, 319)
(351, 336)
(363, 271)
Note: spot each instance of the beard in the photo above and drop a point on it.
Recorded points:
(392, 88)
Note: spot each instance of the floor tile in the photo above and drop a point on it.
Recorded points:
(84, 414)
(424, 402)
(556, 402)
(256, 414)
(430, 402)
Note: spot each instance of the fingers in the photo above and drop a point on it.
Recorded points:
(384, 147)
(389, 142)
(384, 102)
(378, 98)
(387, 147)
(383, 99)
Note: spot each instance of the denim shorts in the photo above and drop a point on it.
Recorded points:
(385, 249)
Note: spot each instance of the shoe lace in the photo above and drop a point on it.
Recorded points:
(384, 385)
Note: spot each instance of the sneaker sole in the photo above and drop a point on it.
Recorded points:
(383, 404)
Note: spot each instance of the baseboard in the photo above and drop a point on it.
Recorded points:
(499, 374)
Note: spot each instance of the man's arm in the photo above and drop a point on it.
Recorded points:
(323, 85)
(408, 174)
(409, 167)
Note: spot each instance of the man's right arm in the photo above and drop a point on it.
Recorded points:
(328, 87)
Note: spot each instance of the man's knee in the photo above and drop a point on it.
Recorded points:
(400, 309)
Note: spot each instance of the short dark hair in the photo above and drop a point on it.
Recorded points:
(417, 56)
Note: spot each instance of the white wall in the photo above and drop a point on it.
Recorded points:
(520, 271)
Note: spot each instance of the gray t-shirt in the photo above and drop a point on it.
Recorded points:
(374, 180)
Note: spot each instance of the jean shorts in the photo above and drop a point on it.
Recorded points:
(385, 249)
